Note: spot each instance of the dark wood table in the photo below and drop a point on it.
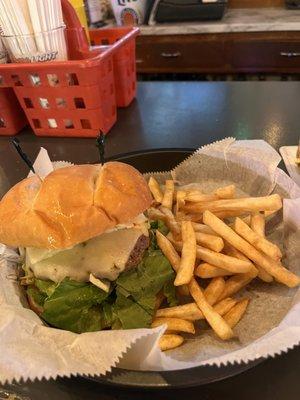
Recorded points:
(181, 115)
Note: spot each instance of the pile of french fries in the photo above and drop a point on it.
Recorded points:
(219, 238)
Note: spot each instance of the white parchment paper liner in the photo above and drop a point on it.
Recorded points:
(31, 350)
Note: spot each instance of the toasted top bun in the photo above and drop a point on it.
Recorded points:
(71, 205)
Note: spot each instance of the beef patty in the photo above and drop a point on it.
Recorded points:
(138, 251)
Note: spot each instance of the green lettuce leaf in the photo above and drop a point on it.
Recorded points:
(148, 278)
(156, 225)
(108, 315)
(137, 290)
(75, 306)
(160, 225)
(37, 296)
(129, 314)
(83, 307)
(46, 287)
(170, 293)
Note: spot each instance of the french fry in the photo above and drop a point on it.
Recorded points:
(233, 252)
(174, 324)
(167, 200)
(155, 190)
(223, 306)
(206, 271)
(261, 273)
(180, 201)
(181, 216)
(257, 224)
(214, 290)
(189, 190)
(188, 254)
(198, 217)
(168, 250)
(196, 196)
(264, 275)
(211, 242)
(280, 273)
(170, 341)
(259, 242)
(154, 214)
(221, 328)
(220, 260)
(270, 213)
(203, 229)
(171, 254)
(226, 192)
(231, 213)
(170, 221)
(246, 219)
(235, 283)
(247, 204)
(191, 312)
(233, 316)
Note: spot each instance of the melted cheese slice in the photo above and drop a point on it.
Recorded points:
(34, 255)
(104, 256)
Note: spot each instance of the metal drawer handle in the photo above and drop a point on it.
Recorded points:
(289, 54)
(176, 54)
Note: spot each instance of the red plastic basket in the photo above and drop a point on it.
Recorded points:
(124, 62)
(75, 97)
(12, 118)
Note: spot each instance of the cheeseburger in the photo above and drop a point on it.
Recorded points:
(90, 260)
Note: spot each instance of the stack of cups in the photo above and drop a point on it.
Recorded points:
(129, 13)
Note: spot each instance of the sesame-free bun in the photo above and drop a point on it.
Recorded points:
(71, 205)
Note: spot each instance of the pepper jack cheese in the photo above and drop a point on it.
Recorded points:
(104, 256)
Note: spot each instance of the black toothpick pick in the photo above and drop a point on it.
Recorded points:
(16, 143)
(100, 143)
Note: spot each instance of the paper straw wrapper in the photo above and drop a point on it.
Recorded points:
(270, 326)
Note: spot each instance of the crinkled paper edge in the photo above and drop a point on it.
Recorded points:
(81, 373)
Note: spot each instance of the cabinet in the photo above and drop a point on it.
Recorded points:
(266, 56)
(178, 53)
(249, 52)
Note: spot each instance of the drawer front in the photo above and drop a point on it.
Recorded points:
(269, 55)
(185, 54)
